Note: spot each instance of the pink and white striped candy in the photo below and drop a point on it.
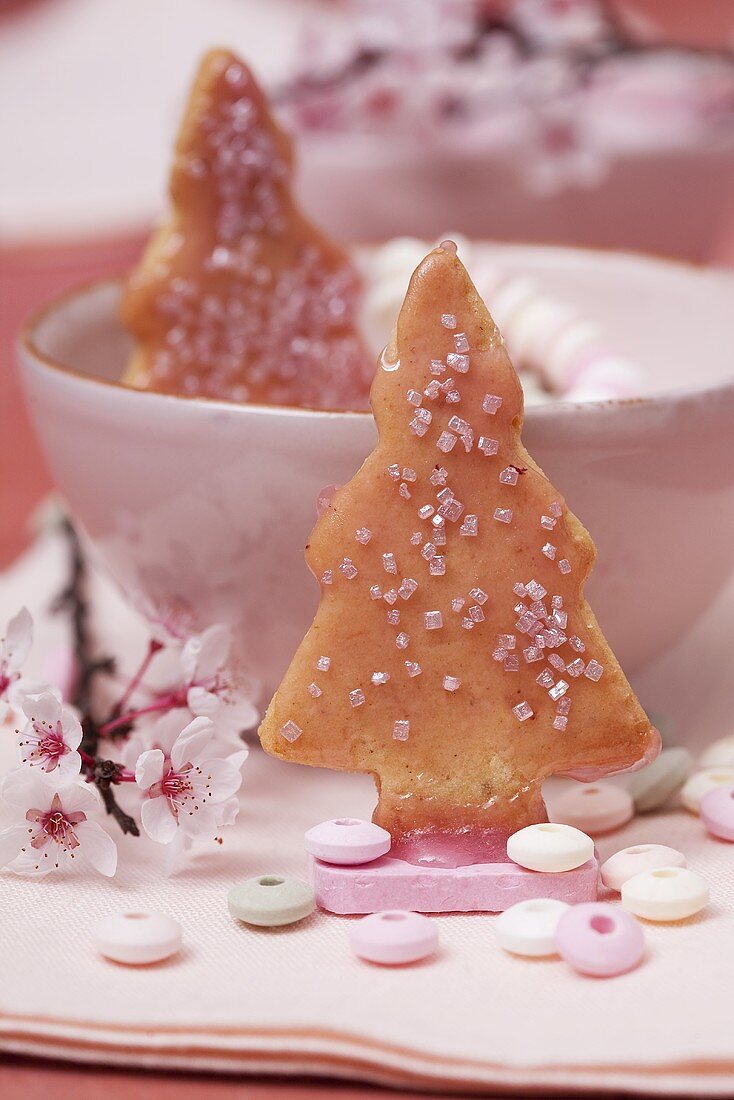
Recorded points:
(600, 939)
(348, 841)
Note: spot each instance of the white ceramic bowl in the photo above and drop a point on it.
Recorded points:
(202, 508)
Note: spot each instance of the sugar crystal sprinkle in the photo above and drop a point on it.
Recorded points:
(404, 491)
(433, 620)
(532, 653)
(414, 669)
(451, 683)
(560, 722)
(407, 588)
(393, 616)
(576, 644)
(439, 536)
(460, 341)
(509, 476)
(402, 640)
(506, 641)
(564, 705)
(446, 442)
(428, 551)
(457, 603)
(356, 697)
(448, 320)
(380, 677)
(291, 731)
(389, 564)
(426, 511)
(437, 366)
(409, 474)
(555, 509)
(564, 565)
(479, 595)
(469, 527)
(523, 711)
(437, 566)
(547, 522)
(363, 535)
(401, 729)
(549, 550)
(390, 596)
(349, 569)
(575, 668)
(416, 538)
(594, 670)
(503, 515)
(558, 690)
(438, 476)
(545, 679)
(414, 398)
(476, 614)
(420, 427)
(323, 664)
(512, 663)
(488, 446)
(375, 592)
(491, 403)
(327, 577)
(394, 471)
(535, 590)
(314, 690)
(459, 363)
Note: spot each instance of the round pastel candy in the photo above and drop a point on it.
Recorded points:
(717, 812)
(600, 939)
(393, 937)
(667, 893)
(529, 927)
(271, 900)
(655, 784)
(700, 783)
(137, 938)
(641, 857)
(593, 807)
(550, 847)
(720, 754)
(347, 840)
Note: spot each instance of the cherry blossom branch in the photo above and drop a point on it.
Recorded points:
(154, 646)
(168, 702)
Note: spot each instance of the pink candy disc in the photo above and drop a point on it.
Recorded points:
(394, 937)
(717, 812)
(600, 939)
(640, 857)
(347, 840)
(594, 808)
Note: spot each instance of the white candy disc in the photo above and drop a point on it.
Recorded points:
(700, 783)
(668, 893)
(529, 928)
(720, 754)
(137, 938)
(550, 847)
(640, 857)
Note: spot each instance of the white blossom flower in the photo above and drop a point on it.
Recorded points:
(164, 732)
(14, 648)
(195, 674)
(189, 789)
(54, 830)
(51, 735)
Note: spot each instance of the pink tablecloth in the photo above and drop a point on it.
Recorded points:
(295, 1000)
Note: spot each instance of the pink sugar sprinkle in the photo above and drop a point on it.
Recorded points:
(564, 705)
(407, 588)
(503, 515)
(545, 679)
(548, 522)
(549, 550)
(453, 397)
(409, 474)
(509, 476)
(468, 624)
(433, 389)
(414, 669)
(445, 495)
(498, 654)
(535, 590)
(414, 398)
(476, 614)
(428, 551)
(356, 697)
(523, 711)
(557, 602)
(404, 491)
(393, 616)
(506, 641)
(401, 729)
(519, 590)
(327, 577)
(469, 527)
(448, 320)
(389, 564)
(576, 667)
(576, 644)
(451, 683)
(512, 663)
(380, 677)
(394, 472)
(594, 671)
(457, 603)
(446, 442)
(323, 664)
(349, 569)
(560, 618)
(491, 403)
(437, 366)
(557, 662)
(363, 535)
(564, 565)
(402, 640)
(390, 596)
(439, 536)
(459, 363)
(433, 620)
(451, 510)
(560, 722)
(437, 521)
(479, 595)
(559, 690)
(416, 538)
(460, 341)
(420, 427)
(461, 427)
(291, 731)
(488, 446)
(437, 566)
(426, 511)
(527, 623)
(438, 476)
(555, 509)
(532, 653)
(314, 690)
(375, 592)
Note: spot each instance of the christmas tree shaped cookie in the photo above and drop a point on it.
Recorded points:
(453, 655)
(237, 296)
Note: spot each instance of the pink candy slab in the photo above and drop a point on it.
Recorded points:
(389, 883)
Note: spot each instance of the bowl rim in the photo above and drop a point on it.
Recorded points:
(26, 345)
